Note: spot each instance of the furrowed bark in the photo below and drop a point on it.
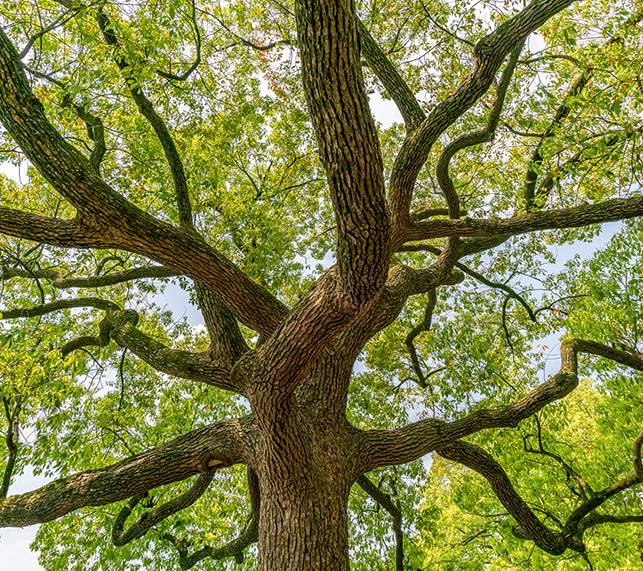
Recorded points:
(348, 143)
(55, 231)
(607, 211)
(174, 461)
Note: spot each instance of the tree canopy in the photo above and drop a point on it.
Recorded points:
(229, 149)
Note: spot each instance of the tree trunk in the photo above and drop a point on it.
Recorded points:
(304, 529)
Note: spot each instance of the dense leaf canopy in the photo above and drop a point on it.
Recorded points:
(226, 150)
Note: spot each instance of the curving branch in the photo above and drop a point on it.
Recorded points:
(147, 110)
(121, 537)
(488, 55)
(482, 462)
(236, 547)
(531, 197)
(607, 211)
(61, 282)
(197, 60)
(394, 510)
(193, 453)
(537, 157)
(247, 43)
(424, 326)
(476, 138)
(201, 367)
(45, 308)
(529, 526)
(106, 219)
(95, 131)
(398, 446)
(11, 440)
(584, 489)
(227, 344)
(60, 21)
(120, 325)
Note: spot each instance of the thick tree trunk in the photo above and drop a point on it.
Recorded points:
(306, 470)
(303, 531)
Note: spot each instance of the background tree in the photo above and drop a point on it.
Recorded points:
(173, 140)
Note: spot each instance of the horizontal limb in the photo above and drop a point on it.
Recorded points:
(576, 217)
(398, 446)
(61, 282)
(174, 461)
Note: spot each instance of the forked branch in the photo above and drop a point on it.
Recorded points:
(529, 526)
(398, 446)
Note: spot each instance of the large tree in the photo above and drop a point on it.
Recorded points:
(220, 146)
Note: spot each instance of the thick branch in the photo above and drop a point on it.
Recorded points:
(55, 231)
(405, 444)
(608, 211)
(177, 460)
(348, 145)
(477, 459)
(108, 220)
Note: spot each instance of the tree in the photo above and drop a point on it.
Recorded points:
(157, 154)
